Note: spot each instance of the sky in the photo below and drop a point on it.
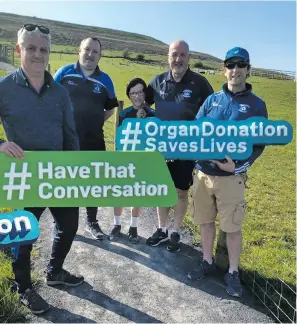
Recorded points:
(266, 29)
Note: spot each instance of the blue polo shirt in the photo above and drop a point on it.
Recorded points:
(178, 100)
(225, 105)
(91, 97)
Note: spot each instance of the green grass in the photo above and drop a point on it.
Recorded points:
(12, 311)
(269, 230)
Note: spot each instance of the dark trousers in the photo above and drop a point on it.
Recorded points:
(91, 143)
(66, 219)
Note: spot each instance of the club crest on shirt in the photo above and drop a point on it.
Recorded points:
(243, 108)
(96, 88)
(187, 93)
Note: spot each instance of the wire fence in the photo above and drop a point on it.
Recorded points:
(276, 295)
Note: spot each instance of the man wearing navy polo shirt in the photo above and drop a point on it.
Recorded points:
(178, 95)
(219, 186)
(93, 98)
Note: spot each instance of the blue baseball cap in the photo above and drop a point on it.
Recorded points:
(237, 52)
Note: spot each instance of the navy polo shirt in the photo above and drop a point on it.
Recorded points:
(37, 121)
(91, 97)
(178, 100)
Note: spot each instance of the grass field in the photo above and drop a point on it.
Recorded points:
(269, 231)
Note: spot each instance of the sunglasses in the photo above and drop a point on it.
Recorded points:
(240, 64)
(31, 27)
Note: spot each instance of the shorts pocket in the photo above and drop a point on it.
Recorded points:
(239, 213)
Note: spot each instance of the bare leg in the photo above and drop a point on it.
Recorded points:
(163, 216)
(207, 232)
(135, 211)
(234, 244)
(118, 211)
(180, 208)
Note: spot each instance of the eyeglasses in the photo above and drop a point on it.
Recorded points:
(240, 64)
(134, 94)
(31, 27)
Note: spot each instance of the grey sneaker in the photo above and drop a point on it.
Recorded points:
(95, 230)
(233, 284)
(64, 278)
(36, 304)
(203, 268)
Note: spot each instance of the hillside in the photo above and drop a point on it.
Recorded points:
(71, 34)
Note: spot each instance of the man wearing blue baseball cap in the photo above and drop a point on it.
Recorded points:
(219, 186)
(237, 52)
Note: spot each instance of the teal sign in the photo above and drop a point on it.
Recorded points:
(18, 228)
(202, 139)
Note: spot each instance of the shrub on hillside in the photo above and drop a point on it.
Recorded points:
(126, 53)
(140, 57)
(198, 65)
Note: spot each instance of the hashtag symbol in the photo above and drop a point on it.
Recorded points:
(131, 132)
(12, 175)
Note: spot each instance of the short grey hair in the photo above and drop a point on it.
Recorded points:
(22, 33)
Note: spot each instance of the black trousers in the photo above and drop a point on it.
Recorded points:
(91, 143)
(66, 219)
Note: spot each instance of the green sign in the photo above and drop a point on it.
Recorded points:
(83, 178)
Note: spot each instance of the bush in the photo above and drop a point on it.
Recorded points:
(198, 65)
(140, 57)
(126, 53)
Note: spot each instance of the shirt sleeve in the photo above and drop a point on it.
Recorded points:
(207, 90)
(121, 117)
(150, 93)
(71, 142)
(1, 112)
(112, 100)
(59, 75)
(202, 112)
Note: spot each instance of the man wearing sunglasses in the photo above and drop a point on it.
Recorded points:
(219, 186)
(93, 96)
(37, 116)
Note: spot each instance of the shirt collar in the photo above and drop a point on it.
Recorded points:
(247, 91)
(186, 78)
(22, 79)
(95, 73)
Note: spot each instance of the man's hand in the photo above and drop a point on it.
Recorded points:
(141, 113)
(228, 166)
(11, 149)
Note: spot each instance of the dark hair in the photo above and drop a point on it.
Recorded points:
(98, 40)
(133, 83)
(95, 39)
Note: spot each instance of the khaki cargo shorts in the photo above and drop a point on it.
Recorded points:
(212, 195)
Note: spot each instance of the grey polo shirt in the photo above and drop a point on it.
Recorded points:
(37, 121)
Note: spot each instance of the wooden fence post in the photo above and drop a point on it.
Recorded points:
(49, 68)
(221, 257)
(116, 119)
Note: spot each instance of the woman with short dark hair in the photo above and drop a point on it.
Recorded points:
(136, 91)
